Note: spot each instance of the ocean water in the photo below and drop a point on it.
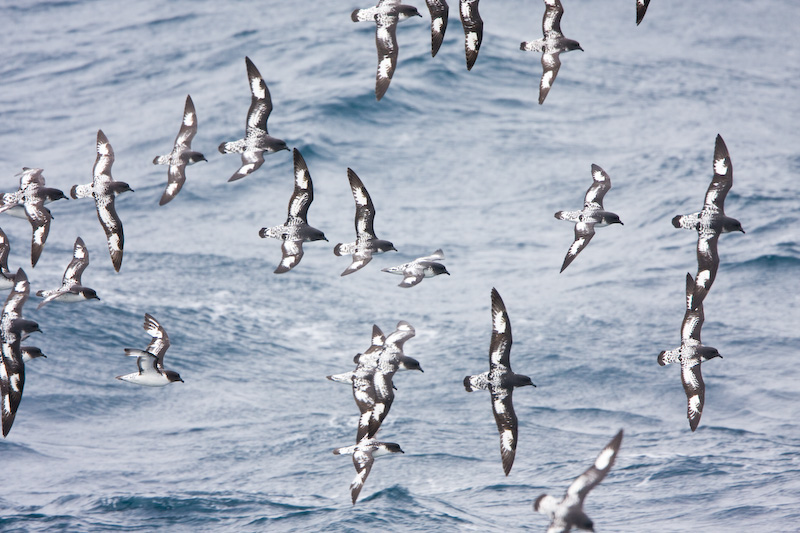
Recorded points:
(463, 161)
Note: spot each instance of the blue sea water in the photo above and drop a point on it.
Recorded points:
(465, 161)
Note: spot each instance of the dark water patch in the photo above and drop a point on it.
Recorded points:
(770, 262)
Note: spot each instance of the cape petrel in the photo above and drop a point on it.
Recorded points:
(388, 364)
(29, 202)
(592, 214)
(14, 328)
(256, 140)
(386, 14)
(641, 9)
(439, 11)
(422, 267)
(473, 29)
(500, 380)
(181, 155)
(366, 243)
(13, 204)
(711, 220)
(71, 289)
(364, 454)
(568, 512)
(362, 380)
(104, 190)
(6, 276)
(551, 45)
(151, 360)
(691, 353)
(295, 231)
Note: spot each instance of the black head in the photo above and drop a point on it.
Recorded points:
(315, 235)
(707, 352)
(393, 448)
(409, 363)
(405, 11)
(731, 224)
(571, 44)
(194, 157)
(384, 246)
(521, 381)
(612, 218)
(90, 294)
(121, 187)
(55, 194)
(439, 268)
(172, 376)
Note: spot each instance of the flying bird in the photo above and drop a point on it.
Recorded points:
(592, 215)
(151, 360)
(14, 328)
(256, 140)
(422, 267)
(367, 243)
(182, 153)
(6, 276)
(385, 15)
(28, 202)
(104, 190)
(295, 231)
(439, 11)
(364, 454)
(641, 9)
(568, 512)
(711, 220)
(551, 45)
(501, 381)
(691, 353)
(473, 29)
(71, 289)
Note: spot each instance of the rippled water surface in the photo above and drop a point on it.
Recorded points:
(465, 161)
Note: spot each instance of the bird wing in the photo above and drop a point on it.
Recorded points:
(601, 184)
(579, 488)
(80, 260)
(722, 181)
(584, 231)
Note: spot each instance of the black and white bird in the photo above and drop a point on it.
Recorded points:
(386, 14)
(256, 140)
(6, 276)
(364, 454)
(12, 204)
(592, 215)
(104, 190)
(551, 45)
(362, 380)
(473, 29)
(568, 512)
(422, 267)
(181, 155)
(389, 362)
(641, 9)
(295, 231)
(151, 360)
(691, 353)
(366, 244)
(439, 11)
(71, 289)
(369, 358)
(501, 381)
(14, 328)
(711, 221)
(28, 202)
